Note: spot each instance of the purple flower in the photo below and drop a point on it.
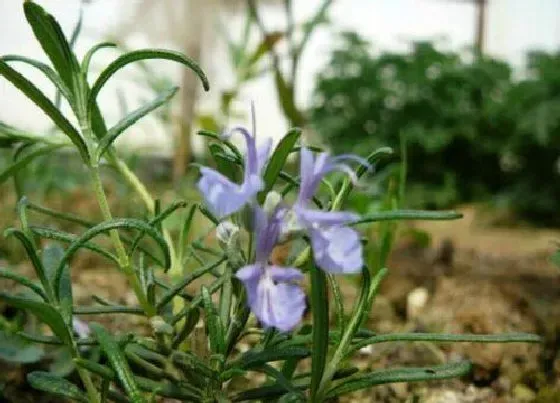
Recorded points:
(225, 197)
(336, 247)
(81, 328)
(272, 294)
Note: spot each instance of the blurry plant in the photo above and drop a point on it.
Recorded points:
(252, 216)
(285, 68)
(470, 131)
(532, 150)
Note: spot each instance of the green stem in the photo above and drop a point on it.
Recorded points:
(137, 185)
(345, 341)
(92, 394)
(124, 261)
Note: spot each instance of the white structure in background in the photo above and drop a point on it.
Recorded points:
(514, 26)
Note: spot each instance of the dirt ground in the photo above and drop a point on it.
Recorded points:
(474, 278)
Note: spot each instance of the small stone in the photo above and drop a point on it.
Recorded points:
(416, 300)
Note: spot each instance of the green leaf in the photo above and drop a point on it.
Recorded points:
(227, 143)
(358, 382)
(449, 338)
(57, 235)
(277, 161)
(51, 257)
(320, 314)
(186, 280)
(225, 163)
(338, 301)
(44, 312)
(35, 95)
(264, 393)
(408, 215)
(143, 54)
(252, 358)
(164, 389)
(185, 229)
(118, 362)
(33, 257)
(214, 324)
(56, 385)
(46, 70)
(120, 223)
(110, 309)
(49, 34)
(21, 163)
(24, 281)
(191, 319)
(157, 220)
(14, 348)
(89, 54)
(130, 119)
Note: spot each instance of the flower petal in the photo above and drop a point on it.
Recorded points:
(318, 218)
(222, 196)
(250, 276)
(313, 169)
(279, 304)
(267, 229)
(278, 273)
(337, 249)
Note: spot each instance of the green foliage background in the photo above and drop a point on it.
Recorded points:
(472, 131)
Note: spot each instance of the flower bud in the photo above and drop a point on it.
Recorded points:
(227, 234)
(160, 326)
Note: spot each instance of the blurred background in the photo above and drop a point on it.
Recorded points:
(467, 93)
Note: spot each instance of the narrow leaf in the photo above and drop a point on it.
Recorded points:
(33, 257)
(24, 282)
(49, 34)
(213, 323)
(449, 338)
(252, 359)
(87, 58)
(17, 349)
(189, 278)
(118, 362)
(278, 159)
(35, 95)
(44, 312)
(57, 235)
(21, 163)
(56, 385)
(408, 215)
(108, 309)
(144, 54)
(358, 382)
(46, 70)
(132, 118)
(320, 314)
(121, 223)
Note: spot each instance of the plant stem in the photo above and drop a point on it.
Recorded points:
(137, 185)
(92, 394)
(124, 261)
(355, 322)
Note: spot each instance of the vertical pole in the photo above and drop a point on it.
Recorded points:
(189, 86)
(480, 34)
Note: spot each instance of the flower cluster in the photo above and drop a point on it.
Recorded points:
(272, 291)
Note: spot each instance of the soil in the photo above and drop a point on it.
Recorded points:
(473, 279)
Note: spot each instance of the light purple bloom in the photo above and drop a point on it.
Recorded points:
(272, 294)
(336, 247)
(225, 197)
(81, 328)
